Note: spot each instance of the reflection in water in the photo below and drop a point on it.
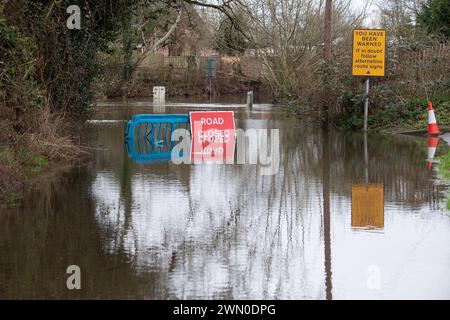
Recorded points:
(432, 143)
(162, 231)
(149, 153)
(368, 206)
(367, 199)
(326, 213)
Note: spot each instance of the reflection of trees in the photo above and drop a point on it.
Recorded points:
(254, 219)
(56, 229)
(326, 212)
(166, 231)
(253, 231)
(396, 161)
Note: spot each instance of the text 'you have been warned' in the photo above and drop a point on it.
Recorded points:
(369, 47)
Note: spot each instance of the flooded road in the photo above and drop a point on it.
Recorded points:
(314, 230)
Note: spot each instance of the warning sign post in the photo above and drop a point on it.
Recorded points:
(369, 50)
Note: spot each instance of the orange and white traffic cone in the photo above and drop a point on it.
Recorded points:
(432, 124)
(432, 145)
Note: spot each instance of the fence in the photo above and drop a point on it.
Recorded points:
(250, 67)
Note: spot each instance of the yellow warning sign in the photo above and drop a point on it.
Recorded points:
(368, 205)
(369, 48)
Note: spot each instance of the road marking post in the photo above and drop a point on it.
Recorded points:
(250, 99)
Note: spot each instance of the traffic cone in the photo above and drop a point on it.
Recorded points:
(432, 124)
(432, 145)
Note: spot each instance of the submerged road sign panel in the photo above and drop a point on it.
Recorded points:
(212, 136)
(369, 49)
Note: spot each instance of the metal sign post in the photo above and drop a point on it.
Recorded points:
(366, 160)
(210, 70)
(210, 90)
(366, 104)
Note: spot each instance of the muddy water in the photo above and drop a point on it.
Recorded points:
(315, 230)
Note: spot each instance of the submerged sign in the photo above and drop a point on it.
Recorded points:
(369, 48)
(212, 136)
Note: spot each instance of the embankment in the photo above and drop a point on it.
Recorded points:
(37, 142)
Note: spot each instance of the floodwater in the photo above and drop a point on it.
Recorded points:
(338, 220)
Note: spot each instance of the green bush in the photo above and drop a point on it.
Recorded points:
(16, 65)
(65, 63)
(31, 162)
(410, 114)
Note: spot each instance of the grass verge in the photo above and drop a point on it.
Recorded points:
(17, 166)
(39, 141)
(444, 171)
(405, 115)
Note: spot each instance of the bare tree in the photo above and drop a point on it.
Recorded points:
(160, 41)
(288, 37)
(176, 10)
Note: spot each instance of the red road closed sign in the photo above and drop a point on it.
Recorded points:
(212, 136)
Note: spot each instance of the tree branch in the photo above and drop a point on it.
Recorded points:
(160, 41)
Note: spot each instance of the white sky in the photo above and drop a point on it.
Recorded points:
(372, 10)
(360, 3)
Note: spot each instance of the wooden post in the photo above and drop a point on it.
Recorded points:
(327, 31)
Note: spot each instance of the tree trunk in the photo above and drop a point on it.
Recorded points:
(327, 33)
